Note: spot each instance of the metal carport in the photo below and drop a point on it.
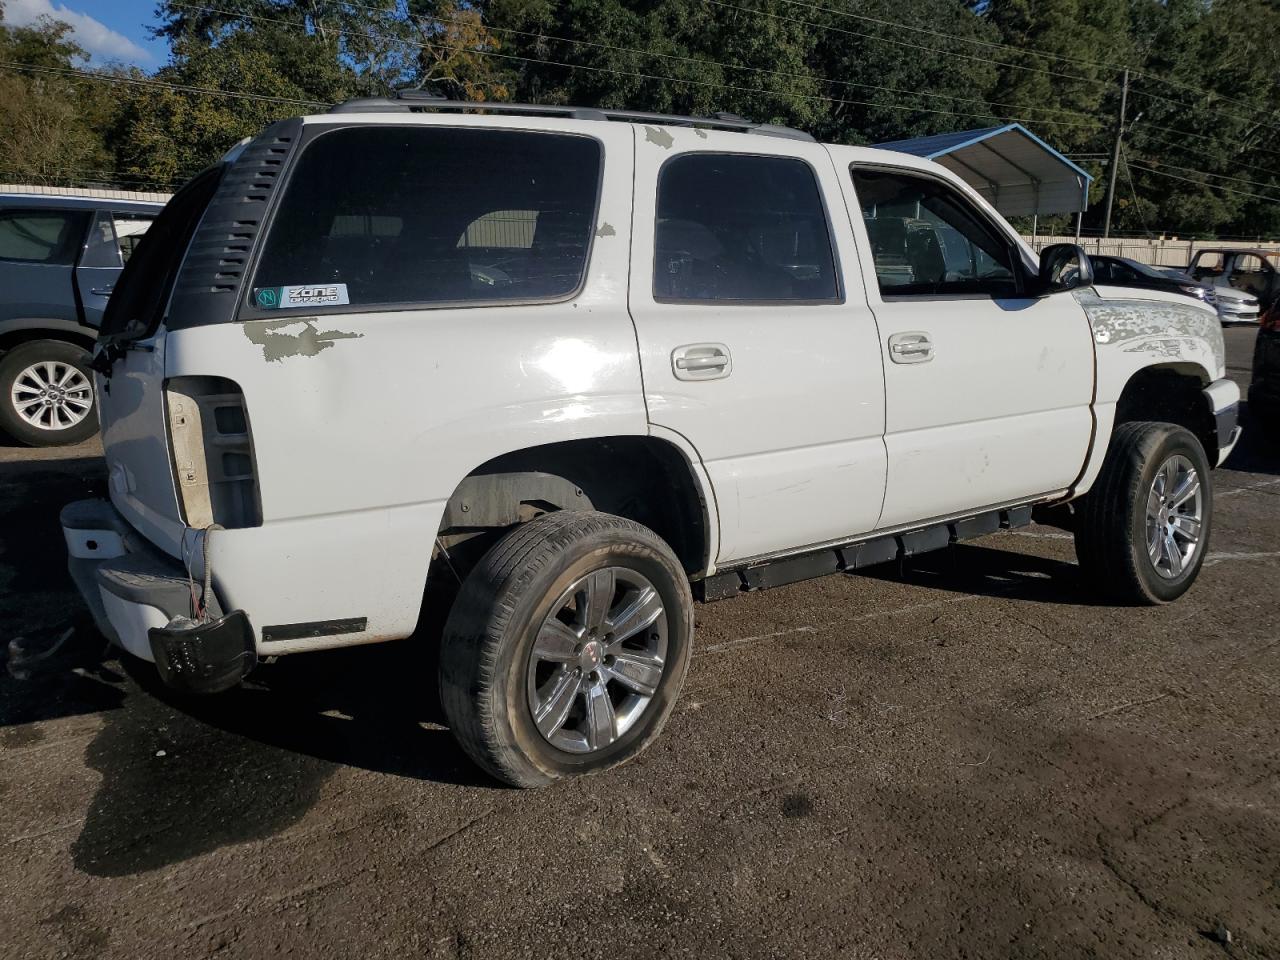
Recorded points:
(1020, 174)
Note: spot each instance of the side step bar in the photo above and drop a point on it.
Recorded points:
(854, 556)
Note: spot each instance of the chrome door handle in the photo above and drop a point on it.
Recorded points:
(101, 291)
(913, 347)
(701, 361)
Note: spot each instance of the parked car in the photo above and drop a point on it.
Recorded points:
(1264, 386)
(1123, 272)
(59, 258)
(1243, 280)
(615, 362)
(1234, 306)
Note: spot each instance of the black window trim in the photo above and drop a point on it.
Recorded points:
(836, 263)
(247, 310)
(1024, 276)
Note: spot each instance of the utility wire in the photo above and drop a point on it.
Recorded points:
(701, 61)
(1034, 51)
(163, 84)
(1217, 186)
(1133, 192)
(649, 76)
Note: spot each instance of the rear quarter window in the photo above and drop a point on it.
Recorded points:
(394, 217)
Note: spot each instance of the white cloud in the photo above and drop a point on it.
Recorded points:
(102, 42)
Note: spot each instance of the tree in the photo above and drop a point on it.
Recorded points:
(48, 120)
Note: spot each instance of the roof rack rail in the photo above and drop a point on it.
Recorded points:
(422, 101)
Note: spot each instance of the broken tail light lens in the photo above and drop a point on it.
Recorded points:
(212, 449)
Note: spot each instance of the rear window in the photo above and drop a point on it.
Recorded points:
(41, 236)
(142, 291)
(393, 216)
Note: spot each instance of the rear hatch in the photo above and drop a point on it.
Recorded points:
(130, 363)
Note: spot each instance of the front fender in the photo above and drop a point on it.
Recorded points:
(1135, 329)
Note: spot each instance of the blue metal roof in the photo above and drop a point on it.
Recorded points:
(941, 144)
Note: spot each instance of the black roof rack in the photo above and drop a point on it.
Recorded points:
(422, 101)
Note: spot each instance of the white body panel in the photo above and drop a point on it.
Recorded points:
(364, 424)
(1000, 411)
(792, 438)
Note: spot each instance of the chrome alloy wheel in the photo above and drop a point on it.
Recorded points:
(52, 395)
(1175, 516)
(597, 660)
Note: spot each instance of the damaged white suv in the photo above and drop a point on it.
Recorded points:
(565, 370)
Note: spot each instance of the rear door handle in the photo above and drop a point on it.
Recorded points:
(701, 361)
(911, 347)
(101, 291)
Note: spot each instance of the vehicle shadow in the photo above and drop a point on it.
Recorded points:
(992, 571)
(1258, 450)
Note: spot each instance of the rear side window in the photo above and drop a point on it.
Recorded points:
(41, 236)
(390, 216)
(113, 238)
(734, 227)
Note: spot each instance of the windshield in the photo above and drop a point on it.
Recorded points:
(142, 292)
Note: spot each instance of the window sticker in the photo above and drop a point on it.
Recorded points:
(300, 295)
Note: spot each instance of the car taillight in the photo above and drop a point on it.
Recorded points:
(212, 449)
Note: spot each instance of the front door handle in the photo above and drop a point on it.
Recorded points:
(912, 347)
(701, 361)
(101, 291)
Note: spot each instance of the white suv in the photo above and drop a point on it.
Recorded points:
(560, 371)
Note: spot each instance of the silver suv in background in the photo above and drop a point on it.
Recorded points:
(59, 259)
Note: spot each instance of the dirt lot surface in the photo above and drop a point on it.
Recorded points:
(968, 759)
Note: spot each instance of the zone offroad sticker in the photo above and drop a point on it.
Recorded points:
(301, 295)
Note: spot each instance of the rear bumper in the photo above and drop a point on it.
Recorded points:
(1223, 397)
(142, 601)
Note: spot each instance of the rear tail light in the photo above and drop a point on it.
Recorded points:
(213, 462)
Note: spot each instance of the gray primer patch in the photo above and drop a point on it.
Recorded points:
(700, 132)
(606, 230)
(305, 342)
(1168, 330)
(660, 137)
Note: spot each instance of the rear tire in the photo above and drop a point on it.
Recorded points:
(67, 414)
(1143, 530)
(566, 648)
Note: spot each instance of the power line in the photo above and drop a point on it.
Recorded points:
(147, 82)
(902, 43)
(647, 76)
(671, 56)
(1216, 186)
(1035, 51)
(1222, 176)
(1170, 145)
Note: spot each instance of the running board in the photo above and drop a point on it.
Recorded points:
(855, 555)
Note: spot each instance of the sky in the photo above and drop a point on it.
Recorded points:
(113, 31)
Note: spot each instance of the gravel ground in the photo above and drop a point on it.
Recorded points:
(968, 759)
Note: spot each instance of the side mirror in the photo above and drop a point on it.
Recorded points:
(1065, 266)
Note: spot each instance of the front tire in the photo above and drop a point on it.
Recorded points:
(566, 648)
(46, 394)
(1143, 529)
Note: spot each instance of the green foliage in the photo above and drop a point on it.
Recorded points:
(1202, 147)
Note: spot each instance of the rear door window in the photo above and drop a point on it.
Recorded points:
(404, 217)
(41, 236)
(738, 227)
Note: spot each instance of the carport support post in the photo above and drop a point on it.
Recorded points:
(1115, 156)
